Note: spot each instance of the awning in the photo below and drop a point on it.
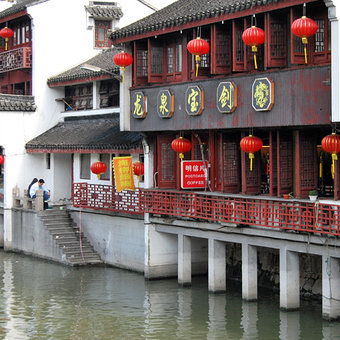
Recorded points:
(87, 136)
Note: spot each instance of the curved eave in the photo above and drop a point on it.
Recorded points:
(73, 80)
(200, 19)
(137, 149)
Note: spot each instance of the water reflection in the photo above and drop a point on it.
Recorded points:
(42, 300)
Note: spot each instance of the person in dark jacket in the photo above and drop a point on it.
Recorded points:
(34, 180)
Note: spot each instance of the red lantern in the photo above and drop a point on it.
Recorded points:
(2, 159)
(138, 169)
(251, 144)
(6, 33)
(304, 28)
(181, 145)
(253, 37)
(98, 168)
(331, 144)
(123, 60)
(198, 47)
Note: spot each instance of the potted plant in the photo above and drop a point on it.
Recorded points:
(313, 195)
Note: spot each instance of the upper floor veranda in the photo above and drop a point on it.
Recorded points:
(161, 56)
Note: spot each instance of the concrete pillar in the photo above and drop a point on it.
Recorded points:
(330, 287)
(216, 266)
(184, 260)
(249, 272)
(289, 280)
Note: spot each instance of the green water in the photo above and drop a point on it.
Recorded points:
(43, 300)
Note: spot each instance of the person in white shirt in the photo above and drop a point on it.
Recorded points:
(39, 186)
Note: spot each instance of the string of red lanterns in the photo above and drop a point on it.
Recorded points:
(123, 59)
(98, 168)
(181, 146)
(198, 47)
(6, 33)
(331, 144)
(138, 169)
(304, 28)
(251, 144)
(253, 36)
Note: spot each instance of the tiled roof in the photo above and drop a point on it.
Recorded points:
(10, 102)
(85, 135)
(104, 12)
(103, 60)
(182, 12)
(19, 7)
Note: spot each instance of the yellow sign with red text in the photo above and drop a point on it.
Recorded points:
(123, 173)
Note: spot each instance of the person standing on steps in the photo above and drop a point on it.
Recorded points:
(39, 186)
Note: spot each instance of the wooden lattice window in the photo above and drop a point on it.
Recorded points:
(142, 63)
(308, 162)
(166, 162)
(109, 93)
(285, 163)
(101, 33)
(156, 60)
(140, 66)
(238, 27)
(79, 97)
(174, 60)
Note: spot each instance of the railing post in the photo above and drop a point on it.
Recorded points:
(27, 204)
(15, 197)
(39, 201)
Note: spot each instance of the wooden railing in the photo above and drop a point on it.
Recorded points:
(105, 197)
(28, 203)
(267, 212)
(259, 211)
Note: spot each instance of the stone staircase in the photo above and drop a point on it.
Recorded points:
(67, 237)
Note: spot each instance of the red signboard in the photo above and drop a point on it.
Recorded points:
(194, 174)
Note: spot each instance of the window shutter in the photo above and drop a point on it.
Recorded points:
(155, 61)
(284, 163)
(221, 44)
(238, 46)
(166, 162)
(276, 40)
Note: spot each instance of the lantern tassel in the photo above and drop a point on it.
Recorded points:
(6, 44)
(255, 63)
(320, 170)
(305, 41)
(98, 176)
(334, 158)
(123, 68)
(251, 157)
(197, 58)
(181, 155)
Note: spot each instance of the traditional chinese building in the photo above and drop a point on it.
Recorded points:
(284, 91)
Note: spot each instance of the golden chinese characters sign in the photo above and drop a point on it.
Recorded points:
(226, 97)
(138, 105)
(165, 104)
(123, 173)
(263, 94)
(194, 100)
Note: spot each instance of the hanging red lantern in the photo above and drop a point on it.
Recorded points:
(123, 60)
(331, 144)
(138, 169)
(198, 47)
(304, 27)
(181, 145)
(2, 159)
(6, 33)
(253, 37)
(251, 144)
(98, 168)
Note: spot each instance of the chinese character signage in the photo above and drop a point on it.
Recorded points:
(193, 174)
(165, 104)
(226, 97)
(123, 173)
(194, 100)
(139, 105)
(263, 94)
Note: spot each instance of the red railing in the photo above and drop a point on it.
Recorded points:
(295, 215)
(16, 59)
(105, 197)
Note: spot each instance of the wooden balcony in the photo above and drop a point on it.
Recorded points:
(16, 59)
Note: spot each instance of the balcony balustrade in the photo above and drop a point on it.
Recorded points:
(267, 212)
(16, 59)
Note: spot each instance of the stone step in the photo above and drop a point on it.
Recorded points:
(80, 261)
(78, 251)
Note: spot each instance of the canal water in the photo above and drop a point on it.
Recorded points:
(44, 300)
